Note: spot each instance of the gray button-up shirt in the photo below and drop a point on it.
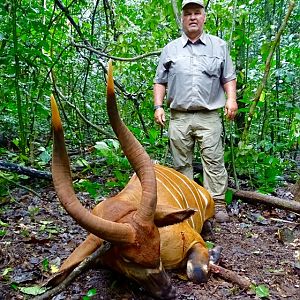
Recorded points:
(195, 72)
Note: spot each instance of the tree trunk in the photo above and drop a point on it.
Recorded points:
(22, 144)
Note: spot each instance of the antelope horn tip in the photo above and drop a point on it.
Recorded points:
(56, 122)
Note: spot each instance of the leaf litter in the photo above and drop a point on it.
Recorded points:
(260, 243)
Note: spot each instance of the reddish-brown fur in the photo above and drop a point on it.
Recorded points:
(146, 222)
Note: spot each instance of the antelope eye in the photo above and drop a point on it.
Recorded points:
(125, 259)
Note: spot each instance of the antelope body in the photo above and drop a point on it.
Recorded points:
(150, 223)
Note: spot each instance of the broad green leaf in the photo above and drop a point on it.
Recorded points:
(101, 146)
(3, 224)
(33, 290)
(45, 264)
(6, 271)
(228, 196)
(262, 291)
(262, 96)
(91, 292)
(3, 232)
(209, 245)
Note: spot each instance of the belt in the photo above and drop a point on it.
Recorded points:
(190, 111)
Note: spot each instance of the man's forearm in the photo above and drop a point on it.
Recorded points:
(231, 105)
(159, 91)
(230, 89)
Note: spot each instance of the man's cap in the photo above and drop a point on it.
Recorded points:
(185, 2)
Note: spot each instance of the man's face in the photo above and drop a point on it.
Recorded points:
(193, 18)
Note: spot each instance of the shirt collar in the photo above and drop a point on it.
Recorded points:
(185, 39)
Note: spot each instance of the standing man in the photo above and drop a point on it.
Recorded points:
(196, 70)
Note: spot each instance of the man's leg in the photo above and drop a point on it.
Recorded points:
(181, 143)
(215, 176)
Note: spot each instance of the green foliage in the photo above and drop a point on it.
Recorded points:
(35, 39)
(228, 196)
(3, 227)
(120, 180)
(32, 290)
(8, 181)
(45, 264)
(5, 273)
(3, 224)
(85, 185)
(261, 291)
(49, 227)
(3, 184)
(209, 245)
(260, 169)
(14, 286)
(110, 150)
(114, 165)
(44, 156)
(90, 293)
(33, 211)
(2, 232)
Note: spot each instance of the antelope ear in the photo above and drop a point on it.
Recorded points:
(168, 215)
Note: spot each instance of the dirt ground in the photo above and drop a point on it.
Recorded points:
(260, 243)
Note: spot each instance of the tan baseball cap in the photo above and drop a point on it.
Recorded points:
(185, 2)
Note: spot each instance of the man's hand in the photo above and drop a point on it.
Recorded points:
(159, 116)
(231, 108)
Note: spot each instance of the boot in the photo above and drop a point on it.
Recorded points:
(221, 215)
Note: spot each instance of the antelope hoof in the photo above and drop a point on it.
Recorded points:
(215, 254)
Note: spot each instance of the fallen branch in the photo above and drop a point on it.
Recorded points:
(82, 267)
(254, 197)
(15, 168)
(231, 276)
(34, 173)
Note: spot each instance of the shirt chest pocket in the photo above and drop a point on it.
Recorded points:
(210, 66)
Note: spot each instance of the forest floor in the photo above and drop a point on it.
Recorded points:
(260, 243)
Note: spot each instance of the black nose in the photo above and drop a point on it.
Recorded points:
(199, 275)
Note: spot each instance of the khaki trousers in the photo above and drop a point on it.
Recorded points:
(205, 128)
